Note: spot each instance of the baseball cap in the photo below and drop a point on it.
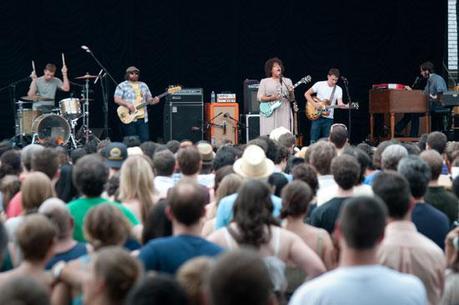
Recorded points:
(132, 69)
(115, 153)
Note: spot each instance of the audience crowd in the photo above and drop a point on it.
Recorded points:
(258, 223)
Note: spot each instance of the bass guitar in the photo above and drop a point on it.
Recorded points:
(268, 108)
(313, 114)
(127, 116)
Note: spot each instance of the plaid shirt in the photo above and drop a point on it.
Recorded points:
(125, 91)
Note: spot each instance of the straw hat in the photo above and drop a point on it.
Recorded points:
(206, 151)
(253, 163)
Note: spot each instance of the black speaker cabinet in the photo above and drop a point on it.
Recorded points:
(250, 95)
(184, 116)
(252, 126)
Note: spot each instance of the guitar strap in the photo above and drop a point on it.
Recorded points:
(332, 95)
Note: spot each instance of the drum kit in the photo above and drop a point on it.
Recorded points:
(57, 124)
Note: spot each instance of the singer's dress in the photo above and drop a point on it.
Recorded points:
(282, 116)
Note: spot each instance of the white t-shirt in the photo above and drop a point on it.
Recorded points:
(323, 92)
(369, 284)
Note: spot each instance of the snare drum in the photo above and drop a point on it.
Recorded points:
(51, 126)
(70, 108)
(28, 116)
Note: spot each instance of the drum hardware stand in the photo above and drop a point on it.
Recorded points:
(73, 124)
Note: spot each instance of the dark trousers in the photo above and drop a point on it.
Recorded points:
(320, 128)
(138, 128)
(407, 118)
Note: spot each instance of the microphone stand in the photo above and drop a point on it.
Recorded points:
(349, 116)
(104, 88)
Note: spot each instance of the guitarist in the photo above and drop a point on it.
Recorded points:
(332, 94)
(130, 93)
(275, 87)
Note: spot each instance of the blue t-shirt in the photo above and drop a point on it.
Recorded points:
(225, 209)
(78, 250)
(430, 222)
(167, 254)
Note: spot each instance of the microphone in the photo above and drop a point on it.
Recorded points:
(98, 76)
(226, 115)
(415, 82)
(224, 127)
(86, 48)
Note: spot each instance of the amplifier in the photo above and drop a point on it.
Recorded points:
(250, 89)
(252, 126)
(450, 98)
(187, 95)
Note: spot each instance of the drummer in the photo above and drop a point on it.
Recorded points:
(43, 88)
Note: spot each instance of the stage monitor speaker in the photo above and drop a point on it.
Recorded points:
(222, 121)
(183, 116)
(250, 91)
(252, 126)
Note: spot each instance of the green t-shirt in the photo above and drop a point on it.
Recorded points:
(80, 207)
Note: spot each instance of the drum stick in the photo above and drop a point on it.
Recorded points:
(33, 65)
(63, 59)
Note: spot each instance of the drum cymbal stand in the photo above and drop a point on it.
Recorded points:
(85, 125)
(73, 124)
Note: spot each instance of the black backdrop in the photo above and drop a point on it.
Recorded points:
(216, 45)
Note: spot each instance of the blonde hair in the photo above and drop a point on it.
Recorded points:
(136, 182)
(35, 189)
(229, 185)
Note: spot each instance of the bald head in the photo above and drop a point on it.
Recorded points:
(186, 201)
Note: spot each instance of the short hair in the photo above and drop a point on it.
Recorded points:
(50, 67)
(24, 290)
(282, 154)
(10, 163)
(173, 146)
(334, 71)
(76, 154)
(225, 155)
(240, 277)
(192, 275)
(271, 148)
(437, 140)
(149, 148)
(427, 66)
(307, 174)
(287, 140)
(118, 269)
(378, 153)
(452, 151)
(105, 225)
(157, 289)
(35, 189)
(277, 181)
(435, 162)
(346, 171)
(186, 201)
(417, 173)
(296, 197)
(46, 161)
(369, 151)
(270, 63)
(35, 237)
(321, 155)
(361, 157)
(362, 221)
(131, 141)
(394, 190)
(59, 215)
(392, 155)
(411, 148)
(164, 163)
(189, 160)
(90, 174)
(338, 135)
(27, 154)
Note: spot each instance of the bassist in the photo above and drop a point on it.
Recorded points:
(275, 87)
(332, 94)
(130, 93)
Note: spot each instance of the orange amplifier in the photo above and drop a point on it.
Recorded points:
(222, 121)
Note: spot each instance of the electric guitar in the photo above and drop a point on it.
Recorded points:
(313, 114)
(268, 108)
(127, 116)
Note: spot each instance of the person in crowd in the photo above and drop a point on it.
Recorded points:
(164, 167)
(451, 293)
(113, 272)
(359, 279)
(157, 288)
(225, 155)
(89, 176)
(277, 181)
(206, 175)
(255, 226)
(136, 190)
(10, 185)
(428, 221)
(24, 290)
(114, 155)
(157, 223)
(193, 278)
(436, 194)
(377, 155)
(66, 248)
(10, 163)
(403, 248)
(346, 171)
(360, 189)
(338, 136)
(186, 208)
(392, 155)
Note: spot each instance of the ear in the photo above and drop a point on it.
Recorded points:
(169, 213)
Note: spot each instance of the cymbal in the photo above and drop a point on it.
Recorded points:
(86, 76)
(37, 98)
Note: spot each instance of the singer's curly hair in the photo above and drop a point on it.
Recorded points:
(270, 63)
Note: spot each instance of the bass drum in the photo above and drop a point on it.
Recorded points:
(51, 127)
